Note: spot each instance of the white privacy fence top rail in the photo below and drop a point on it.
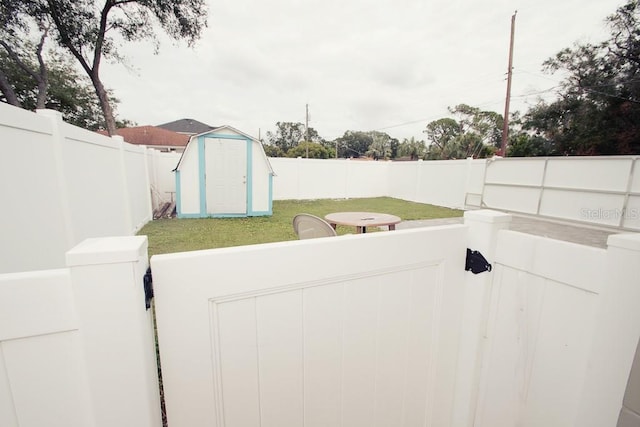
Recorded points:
(595, 190)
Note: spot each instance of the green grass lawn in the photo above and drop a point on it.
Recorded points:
(180, 235)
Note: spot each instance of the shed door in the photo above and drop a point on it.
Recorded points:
(226, 176)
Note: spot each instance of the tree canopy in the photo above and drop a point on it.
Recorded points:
(476, 133)
(67, 91)
(93, 29)
(597, 111)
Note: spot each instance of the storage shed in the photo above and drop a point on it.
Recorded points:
(223, 173)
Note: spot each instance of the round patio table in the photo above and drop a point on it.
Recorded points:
(362, 220)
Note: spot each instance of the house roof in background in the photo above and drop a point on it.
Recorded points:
(153, 136)
(188, 126)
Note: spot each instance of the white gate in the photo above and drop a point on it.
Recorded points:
(562, 329)
(357, 330)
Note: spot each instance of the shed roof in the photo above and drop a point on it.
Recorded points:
(220, 128)
(188, 126)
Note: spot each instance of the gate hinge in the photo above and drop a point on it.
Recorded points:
(476, 262)
(148, 288)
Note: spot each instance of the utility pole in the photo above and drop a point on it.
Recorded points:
(505, 127)
(306, 130)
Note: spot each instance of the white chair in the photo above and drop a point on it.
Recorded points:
(309, 226)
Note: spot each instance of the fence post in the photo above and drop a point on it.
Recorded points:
(57, 140)
(484, 226)
(616, 332)
(126, 194)
(116, 330)
(147, 177)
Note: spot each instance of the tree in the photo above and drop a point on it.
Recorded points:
(486, 125)
(88, 29)
(524, 145)
(353, 144)
(273, 151)
(68, 91)
(289, 134)
(598, 105)
(442, 134)
(20, 52)
(412, 148)
(477, 133)
(313, 149)
(381, 145)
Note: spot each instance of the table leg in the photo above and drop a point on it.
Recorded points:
(392, 227)
(361, 229)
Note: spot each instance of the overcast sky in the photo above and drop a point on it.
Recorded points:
(389, 65)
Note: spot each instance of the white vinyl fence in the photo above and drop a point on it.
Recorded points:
(371, 329)
(596, 190)
(162, 176)
(387, 329)
(451, 183)
(76, 344)
(324, 332)
(61, 184)
(303, 179)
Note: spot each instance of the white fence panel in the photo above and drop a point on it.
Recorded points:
(76, 344)
(303, 179)
(513, 184)
(577, 173)
(443, 183)
(597, 190)
(546, 311)
(449, 183)
(42, 375)
(163, 179)
(137, 184)
(320, 179)
(317, 332)
(34, 223)
(62, 184)
(368, 179)
(403, 179)
(475, 182)
(94, 161)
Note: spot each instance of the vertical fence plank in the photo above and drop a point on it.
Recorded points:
(62, 180)
(237, 351)
(323, 330)
(279, 320)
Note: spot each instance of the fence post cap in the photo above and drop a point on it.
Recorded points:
(487, 215)
(47, 112)
(107, 250)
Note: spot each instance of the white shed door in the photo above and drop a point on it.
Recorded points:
(226, 176)
(358, 331)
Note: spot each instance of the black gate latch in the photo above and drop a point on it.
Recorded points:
(148, 288)
(476, 262)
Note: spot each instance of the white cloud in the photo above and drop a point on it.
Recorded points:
(359, 65)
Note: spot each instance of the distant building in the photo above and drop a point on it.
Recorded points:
(154, 137)
(187, 127)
